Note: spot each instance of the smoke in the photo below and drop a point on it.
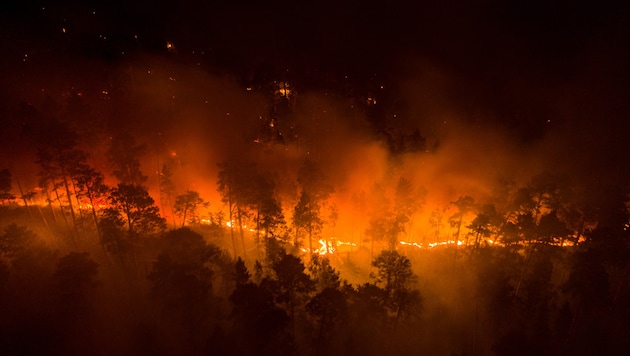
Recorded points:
(496, 103)
(192, 116)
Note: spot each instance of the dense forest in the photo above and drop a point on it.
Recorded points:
(314, 178)
(91, 263)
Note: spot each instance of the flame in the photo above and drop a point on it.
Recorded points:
(432, 244)
(565, 243)
(328, 247)
(232, 224)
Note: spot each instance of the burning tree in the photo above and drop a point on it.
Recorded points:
(315, 192)
(391, 220)
(267, 211)
(407, 201)
(486, 223)
(464, 205)
(249, 194)
(233, 185)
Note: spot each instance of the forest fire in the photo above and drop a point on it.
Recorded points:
(329, 247)
(314, 178)
(231, 224)
(432, 244)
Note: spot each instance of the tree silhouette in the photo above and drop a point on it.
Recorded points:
(518, 229)
(315, 191)
(486, 223)
(58, 157)
(182, 273)
(15, 241)
(464, 205)
(5, 186)
(389, 220)
(235, 189)
(266, 209)
(407, 201)
(306, 217)
(137, 208)
(241, 274)
(186, 206)
(133, 207)
(436, 221)
(540, 196)
(394, 273)
(292, 284)
(368, 314)
(324, 275)
(259, 326)
(551, 230)
(74, 285)
(181, 286)
(124, 158)
(114, 238)
(167, 189)
(378, 226)
(91, 190)
(330, 309)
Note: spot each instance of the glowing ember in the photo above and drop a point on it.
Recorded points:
(433, 244)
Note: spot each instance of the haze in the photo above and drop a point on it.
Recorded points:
(473, 153)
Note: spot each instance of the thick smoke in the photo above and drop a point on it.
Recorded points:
(446, 109)
(193, 119)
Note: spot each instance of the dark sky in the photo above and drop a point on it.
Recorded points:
(490, 46)
(517, 64)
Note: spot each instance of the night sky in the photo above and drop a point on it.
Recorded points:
(529, 69)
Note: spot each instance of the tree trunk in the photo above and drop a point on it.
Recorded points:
(184, 216)
(23, 198)
(96, 223)
(459, 227)
(239, 217)
(81, 219)
(63, 214)
(230, 208)
(69, 198)
(49, 200)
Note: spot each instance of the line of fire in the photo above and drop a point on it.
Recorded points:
(312, 178)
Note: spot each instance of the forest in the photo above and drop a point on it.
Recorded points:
(91, 262)
(314, 178)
